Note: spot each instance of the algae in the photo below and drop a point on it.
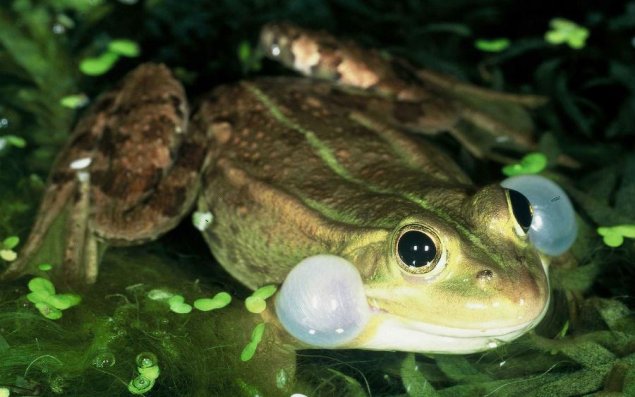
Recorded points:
(586, 68)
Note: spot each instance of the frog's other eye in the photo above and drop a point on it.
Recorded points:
(521, 208)
(417, 251)
(553, 228)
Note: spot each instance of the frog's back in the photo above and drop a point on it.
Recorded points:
(299, 167)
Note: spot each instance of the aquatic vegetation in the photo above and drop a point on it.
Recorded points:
(91, 350)
(49, 303)
(6, 248)
(178, 305)
(148, 369)
(256, 336)
(532, 163)
(567, 32)
(613, 236)
(102, 63)
(494, 45)
(219, 301)
(255, 303)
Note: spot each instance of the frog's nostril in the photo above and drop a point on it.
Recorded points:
(485, 275)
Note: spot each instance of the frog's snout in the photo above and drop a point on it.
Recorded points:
(513, 297)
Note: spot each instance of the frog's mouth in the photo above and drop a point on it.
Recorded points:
(387, 331)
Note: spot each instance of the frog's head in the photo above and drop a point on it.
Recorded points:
(459, 283)
(459, 276)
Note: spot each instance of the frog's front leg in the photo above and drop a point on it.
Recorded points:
(422, 101)
(129, 174)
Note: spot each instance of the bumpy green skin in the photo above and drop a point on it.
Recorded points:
(299, 168)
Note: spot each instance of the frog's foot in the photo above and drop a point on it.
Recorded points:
(61, 235)
(483, 121)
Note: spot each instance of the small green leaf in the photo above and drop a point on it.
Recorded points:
(8, 255)
(40, 284)
(38, 297)
(244, 51)
(613, 236)
(265, 292)
(255, 304)
(151, 373)
(48, 311)
(14, 140)
(98, 65)
(45, 267)
(74, 101)
(177, 305)
(248, 351)
(564, 31)
(256, 336)
(159, 294)
(495, 45)
(219, 301)
(124, 47)
(257, 333)
(532, 163)
(64, 301)
(11, 242)
(140, 385)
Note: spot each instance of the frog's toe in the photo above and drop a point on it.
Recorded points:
(322, 302)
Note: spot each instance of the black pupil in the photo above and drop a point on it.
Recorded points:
(416, 249)
(521, 209)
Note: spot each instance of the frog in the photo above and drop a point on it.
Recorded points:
(328, 177)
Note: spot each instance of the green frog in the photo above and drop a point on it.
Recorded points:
(318, 181)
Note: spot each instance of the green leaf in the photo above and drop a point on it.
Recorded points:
(140, 385)
(40, 284)
(495, 45)
(64, 301)
(14, 140)
(265, 292)
(159, 294)
(48, 311)
(124, 47)
(45, 267)
(151, 373)
(98, 65)
(8, 255)
(219, 301)
(614, 235)
(11, 242)
(248, 351)
(255, 304)
(532, 163)
(74, 101)
(177, 305)
(38, 297)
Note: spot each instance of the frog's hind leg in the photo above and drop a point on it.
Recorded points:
(147, 165)
(482, 120)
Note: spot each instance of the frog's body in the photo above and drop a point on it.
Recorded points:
(297, 167)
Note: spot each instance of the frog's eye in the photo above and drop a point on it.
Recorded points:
(417, 251)
(521, 208)
(553, 228)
